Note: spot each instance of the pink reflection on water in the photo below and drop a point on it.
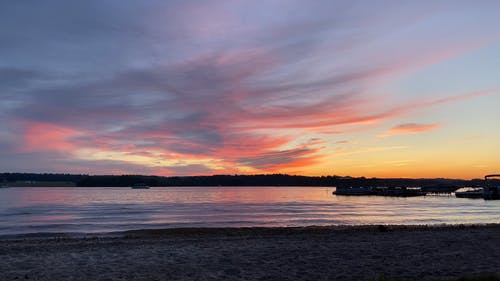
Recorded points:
(271, 194)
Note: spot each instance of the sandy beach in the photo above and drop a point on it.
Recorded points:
(311, 253)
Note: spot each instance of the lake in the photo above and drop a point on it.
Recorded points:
(81, 210)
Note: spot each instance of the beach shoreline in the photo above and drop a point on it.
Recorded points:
(235, 231)
(281, 253)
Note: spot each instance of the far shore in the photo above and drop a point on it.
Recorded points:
(298, 253)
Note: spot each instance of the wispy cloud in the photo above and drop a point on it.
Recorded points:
(409, 128)
(288, 158)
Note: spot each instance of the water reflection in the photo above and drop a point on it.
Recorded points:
(61, 209)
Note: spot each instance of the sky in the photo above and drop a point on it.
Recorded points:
(350, 88)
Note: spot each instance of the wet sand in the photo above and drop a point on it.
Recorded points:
(311, 253)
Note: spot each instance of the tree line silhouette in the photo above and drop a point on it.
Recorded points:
(233, 180)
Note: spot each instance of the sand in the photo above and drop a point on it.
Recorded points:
(313, 253)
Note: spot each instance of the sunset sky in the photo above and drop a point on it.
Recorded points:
(359, 88)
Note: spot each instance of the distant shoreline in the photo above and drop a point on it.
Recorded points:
(341, 253)
(33, 179)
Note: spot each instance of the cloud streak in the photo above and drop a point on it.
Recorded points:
(409, 128)
(233, 87)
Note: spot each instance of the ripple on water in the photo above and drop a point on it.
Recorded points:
(91, 210)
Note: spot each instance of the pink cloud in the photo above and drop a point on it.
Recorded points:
(40, 136)
(409, 128)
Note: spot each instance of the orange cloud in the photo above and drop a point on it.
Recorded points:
(409, 128)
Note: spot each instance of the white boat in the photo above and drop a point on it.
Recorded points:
(469, 193)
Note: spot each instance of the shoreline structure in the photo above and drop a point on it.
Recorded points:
(278, 253)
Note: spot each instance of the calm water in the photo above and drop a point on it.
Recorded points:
(98, 210)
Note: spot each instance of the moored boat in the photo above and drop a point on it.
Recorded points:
(400, 191)
(469, 193)
(491, 189)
